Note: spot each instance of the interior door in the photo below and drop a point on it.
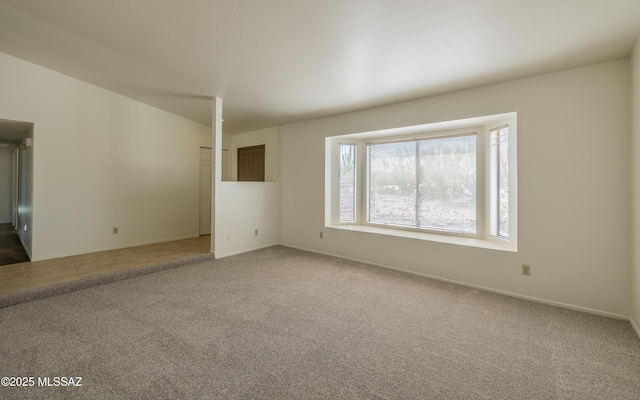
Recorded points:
(206, 184)
(251, 163)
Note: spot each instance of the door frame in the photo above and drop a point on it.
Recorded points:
(264, 160)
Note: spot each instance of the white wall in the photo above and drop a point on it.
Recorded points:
(635, 265)
(574, 172)
(6, 167)
(269, 137)
(102, 160)
(226, 156)
(243, 207)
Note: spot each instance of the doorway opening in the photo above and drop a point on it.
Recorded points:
(251, 164)
(16, 189)
(206, 186)
(11, 249)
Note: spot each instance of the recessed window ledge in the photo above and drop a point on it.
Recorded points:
(431, 237)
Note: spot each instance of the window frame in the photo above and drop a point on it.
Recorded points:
(478, 132)
(482, 126)
(494, 192)
(356, 184)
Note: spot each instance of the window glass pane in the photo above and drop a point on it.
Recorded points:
(499, 182)
(347, 182)
(447, 189)
(392, 183)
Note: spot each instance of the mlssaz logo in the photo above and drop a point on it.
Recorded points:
(60, 381)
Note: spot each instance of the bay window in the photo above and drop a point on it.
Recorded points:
(453, 182)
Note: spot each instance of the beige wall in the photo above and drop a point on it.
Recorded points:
(102, 160)
(574, 172)
(634, 313)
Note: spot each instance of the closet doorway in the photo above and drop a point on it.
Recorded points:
(251, 164)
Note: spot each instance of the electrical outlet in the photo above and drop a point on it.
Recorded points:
(256, 232)
(115, 230)
(526, 270)
(321, 235)
(228, 236)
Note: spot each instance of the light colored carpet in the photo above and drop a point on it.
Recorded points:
(280, 323)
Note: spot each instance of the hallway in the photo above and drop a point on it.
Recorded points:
(11, 250)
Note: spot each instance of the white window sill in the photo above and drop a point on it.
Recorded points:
(432, 237)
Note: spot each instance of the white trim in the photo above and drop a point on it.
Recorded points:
(483, 288)
(124, 246)
(244, 251)
(491, 244)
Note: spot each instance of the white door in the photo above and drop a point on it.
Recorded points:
(206, 183)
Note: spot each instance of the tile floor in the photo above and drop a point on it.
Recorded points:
(28, 275)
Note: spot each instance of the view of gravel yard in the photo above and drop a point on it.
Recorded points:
(440, 194)
(457, 215)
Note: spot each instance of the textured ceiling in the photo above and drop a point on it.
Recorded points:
(280, 61)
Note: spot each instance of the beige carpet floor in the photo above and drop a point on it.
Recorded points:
(280, 323)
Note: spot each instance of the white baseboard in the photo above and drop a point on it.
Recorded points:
(223, 255)
(483, 288)
(123, 246)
